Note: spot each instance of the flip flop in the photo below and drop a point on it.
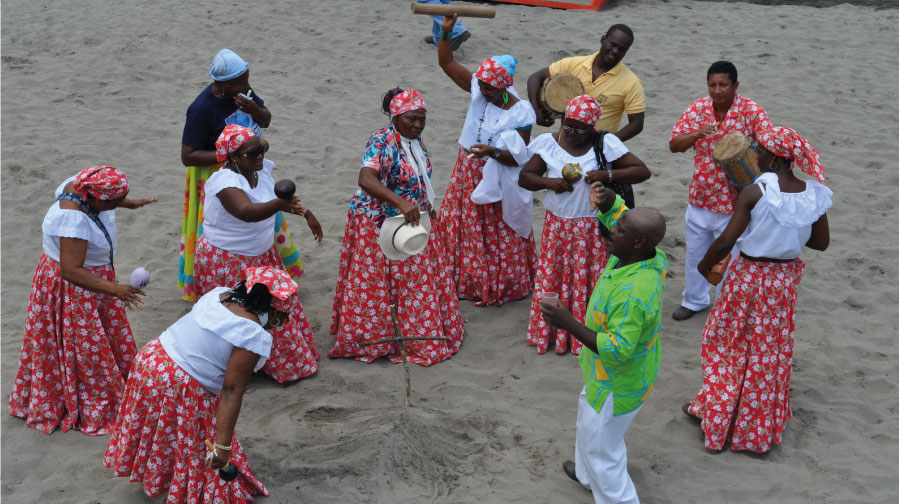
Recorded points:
(686, 409)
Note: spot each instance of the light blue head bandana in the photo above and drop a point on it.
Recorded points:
(227, 65)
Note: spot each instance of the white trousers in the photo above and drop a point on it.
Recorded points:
(600, 456)
(701, 227)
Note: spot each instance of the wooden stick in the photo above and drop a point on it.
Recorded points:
(399, 343)
(448, 10)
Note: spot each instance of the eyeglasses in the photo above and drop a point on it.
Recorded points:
(576, 131)
(253, 154)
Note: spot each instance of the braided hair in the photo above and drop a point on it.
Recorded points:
(257, 301)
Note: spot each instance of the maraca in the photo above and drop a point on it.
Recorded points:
(572, 172)
(285, 189)
(140, 278)
(227, 473)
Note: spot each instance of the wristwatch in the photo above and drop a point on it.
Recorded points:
(497, 152)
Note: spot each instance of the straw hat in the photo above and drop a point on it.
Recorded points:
(399, 241)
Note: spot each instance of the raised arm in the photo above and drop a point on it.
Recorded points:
(458, 73)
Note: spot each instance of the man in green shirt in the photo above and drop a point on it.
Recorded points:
(621, 354)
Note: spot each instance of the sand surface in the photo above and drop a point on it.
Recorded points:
(87, 82)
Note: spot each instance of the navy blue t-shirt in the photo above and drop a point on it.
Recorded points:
(207, 116)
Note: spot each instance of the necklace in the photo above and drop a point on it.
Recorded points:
(481, 124)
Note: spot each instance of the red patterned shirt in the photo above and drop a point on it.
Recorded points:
(711, 189)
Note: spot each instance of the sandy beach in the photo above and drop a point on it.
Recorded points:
(87, 82)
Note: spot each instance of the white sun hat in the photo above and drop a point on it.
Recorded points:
(399, 240)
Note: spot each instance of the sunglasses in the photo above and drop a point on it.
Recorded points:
(576, 131)
(253, 154)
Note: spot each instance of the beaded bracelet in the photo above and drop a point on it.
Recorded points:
(442, 35)
(221, 447)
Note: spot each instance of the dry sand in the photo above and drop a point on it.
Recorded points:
(88, 81)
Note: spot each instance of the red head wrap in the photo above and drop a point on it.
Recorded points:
(407, 101)
(282, 288)
(786, 143)
(584, 108)
(102, 182)
(232, 137)
(494, 74)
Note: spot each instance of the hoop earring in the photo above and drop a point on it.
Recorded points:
(505, 97)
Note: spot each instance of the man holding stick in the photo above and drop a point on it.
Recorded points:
(712, 196)
(621, 354)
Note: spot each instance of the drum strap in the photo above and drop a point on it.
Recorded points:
(91, 214)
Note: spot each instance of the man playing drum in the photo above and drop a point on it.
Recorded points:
(606, 78)
(705, 122)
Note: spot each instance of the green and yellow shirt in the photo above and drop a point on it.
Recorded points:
(625, 312)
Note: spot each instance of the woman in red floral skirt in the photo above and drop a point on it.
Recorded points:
(573, 253)
(78, 345)
(238, 232)
(490, 262)
(395, 180)
(747, 341)
(187, 387)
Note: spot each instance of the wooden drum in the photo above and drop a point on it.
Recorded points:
(556, 92)
(738, 158)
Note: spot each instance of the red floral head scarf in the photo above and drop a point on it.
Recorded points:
(232, 137)
(282, 288)
(493, 73)
(102, 182)
(583, 108)
(407, 101)
(786, 143)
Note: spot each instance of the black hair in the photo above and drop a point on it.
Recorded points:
(385, 101)
(723, 67)
(257, 301)
(622, 28)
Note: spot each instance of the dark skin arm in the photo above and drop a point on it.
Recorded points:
(506, 158)
(633, 127)
(314, 226)
(237, 378)
(239, 205)
(72, 252)
(260, 114)
(191, 156)
(532, 179)
(370, 183)
(458, 73)
(683, 143)
(560, 318)
(535, 82)
(820, 238)
(739, 221)
(134, 204)
(629, 169)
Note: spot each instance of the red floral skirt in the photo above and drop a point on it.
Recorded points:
(747, 357)
(159, 439)
(76, 354)
(294, 351)
(489, 263)
(572, 256)
(368, 283)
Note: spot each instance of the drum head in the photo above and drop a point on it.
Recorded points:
(730, 147)
(557, 90)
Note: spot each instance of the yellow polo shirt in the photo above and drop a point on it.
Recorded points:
(618, 90)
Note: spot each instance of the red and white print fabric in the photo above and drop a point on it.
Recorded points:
(407, 101)
(102, 182)
(76, 354)
(573, 255)
(788, 144)
(491, 72)
(232, 137)
(279, 283)
(711, 189)
(159, 439)
(747, 357)
(294, 352)
(583, 108)
(368, 283)
(489, 262)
